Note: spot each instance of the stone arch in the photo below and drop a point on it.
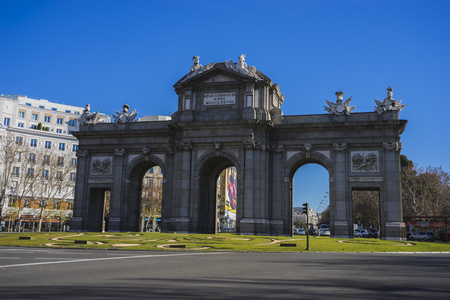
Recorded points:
(131, 203)
(301, 159)
(294, 164)
(203, 206)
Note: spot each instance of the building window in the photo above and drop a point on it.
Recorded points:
(74, 161)
(59, 120)
(19, 140)
(30, 172)
(32, 158)
(62, 146)
(47, 119)
(68, 111)
(33, 143)
(58, 130)
(48, 145)
(45, 174)
(54, 108)
(15, 171)
(59, 175)
(73, 176)
(74, 148)
(41, 106)
(60, 161)
(72, 122)
(34, 117)
(77, 112)
(33, 126)
(46, 159)
(6, 121)
(20, 125)
(19, 157)
(21, 114)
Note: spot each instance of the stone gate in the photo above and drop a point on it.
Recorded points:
(229, 115)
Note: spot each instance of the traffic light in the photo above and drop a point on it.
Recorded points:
(305, 208)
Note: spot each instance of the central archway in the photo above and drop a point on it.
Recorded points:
(205, 204)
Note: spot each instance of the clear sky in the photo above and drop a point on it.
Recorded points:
(108, 53)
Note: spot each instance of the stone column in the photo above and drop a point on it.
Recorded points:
(119, 208)
(260, 196)
(179, 220)
(276, 220)
(247, 223)
(391, 209)
(80, 208)
(340, 197)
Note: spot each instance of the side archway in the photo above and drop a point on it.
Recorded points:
(294, 164)
(131, 203)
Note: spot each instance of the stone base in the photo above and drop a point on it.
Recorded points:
(276, 227)
(394, 231)
(340, 229)
(181, 225)
(76, 224)
(114, 225)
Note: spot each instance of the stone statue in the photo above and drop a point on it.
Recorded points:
(241, 67)
(196, 64)
(339, 108)
(125, 117)
(197, 68)
(88, 118)
(389, 103)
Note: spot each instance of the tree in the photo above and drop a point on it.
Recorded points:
(56, 182)
(425, 192)
(366, 208)
(9, 154)
(151, 199)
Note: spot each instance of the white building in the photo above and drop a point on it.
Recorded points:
(43, 128)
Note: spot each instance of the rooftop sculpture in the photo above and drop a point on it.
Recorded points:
(197, 68)
(339, 108)
(242, 67)
(88, 118)
(389, 103)
(124, 116)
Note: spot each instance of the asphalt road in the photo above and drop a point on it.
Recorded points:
(31, 273)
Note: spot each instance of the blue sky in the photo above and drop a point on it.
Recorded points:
(108, 53)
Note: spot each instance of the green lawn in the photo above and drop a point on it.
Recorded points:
(210, 242)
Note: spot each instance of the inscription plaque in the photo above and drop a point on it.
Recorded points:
(220, 98)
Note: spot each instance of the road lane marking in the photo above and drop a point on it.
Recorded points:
(105, 258)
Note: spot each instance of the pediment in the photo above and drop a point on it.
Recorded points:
(217, 74)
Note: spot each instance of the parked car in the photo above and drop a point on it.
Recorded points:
(299, 231)
(422, 236)
(312, 231)
(361, 233)
(324, 231)
(373, 232)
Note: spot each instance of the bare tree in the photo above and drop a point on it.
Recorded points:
(425, 192)
(151, 200)
(9, 149)
(56, 183)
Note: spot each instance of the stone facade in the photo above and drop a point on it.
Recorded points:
(229, 115)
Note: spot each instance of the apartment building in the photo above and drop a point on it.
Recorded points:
(41, 132)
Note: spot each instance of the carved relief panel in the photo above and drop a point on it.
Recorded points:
(364, 161)
(101, 165)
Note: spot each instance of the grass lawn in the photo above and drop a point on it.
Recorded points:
(211, 242)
